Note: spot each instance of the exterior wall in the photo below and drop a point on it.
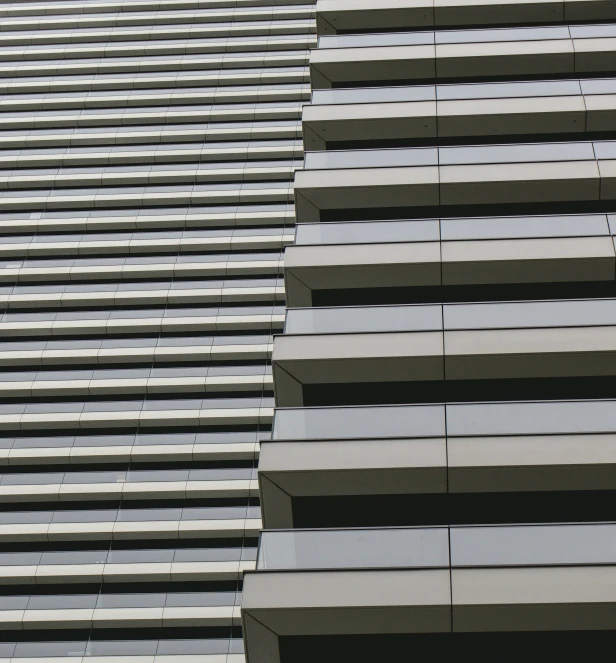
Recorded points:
(147, 153)
(443, 441)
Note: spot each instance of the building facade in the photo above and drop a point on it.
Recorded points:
(147, 154)
(438, 477)
(441, 477)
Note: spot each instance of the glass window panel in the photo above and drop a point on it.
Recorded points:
(112, 406)
(122, 374)
(243, 340)
(516, 315)
(508, 90)
(19, 345)
(236, 646)
(592, 31)
(128, 342)
(605, 149)
(180, 372)
(157, 475)
(13, 602)
(533, 545)
(64, 375)
(187, 647)
(46, 408)
(37, 442)
(8, 518)
(225, 438)
(368, 548)
(524, 226)
(177, 599)
(139, 515)
(238, 370)
(85, 516)
(7, 649)
(185, 341)
(180, 404)
(20, 559)
(104, 441)
(66, 601)
(94, 477)
(516, 153)
(363, 319)
(424, 156)
(31, 479)
(208, 555)
(44, 649)
(368, 232)
(139, 556)
(220, 474)
(121, 647)
(374, 95)
(598, 86)
(214, 513)
(75, 557)
(501, 35)
(12, 408)
(154, 439)
(384, 39)
(331, 423)
(131, 601)
(531, 418)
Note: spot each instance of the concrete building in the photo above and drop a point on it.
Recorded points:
(434, 415)
(441, 477)
(147, 153)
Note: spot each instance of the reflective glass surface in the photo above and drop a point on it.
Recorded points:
(524, 226)
(347, 549)
(493, 546)
(531, 418)
(533, 545)
(389, 39)
(469, 36)
(363, 319)
(331, 423)
(516, 89)
(516, 315)
(371, 159)
(368, 232)
(516, 153)
(459, 155)
(374, 95)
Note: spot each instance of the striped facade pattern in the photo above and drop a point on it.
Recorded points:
(147, 154)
